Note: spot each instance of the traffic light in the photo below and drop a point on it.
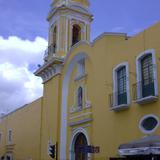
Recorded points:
(52, 151)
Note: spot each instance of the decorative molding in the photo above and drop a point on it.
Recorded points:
(76, 109)
(71, 15)
(50, 69)
(81, 115)
(83, 126)
(88, 104)
(85, 120)
(109, 34)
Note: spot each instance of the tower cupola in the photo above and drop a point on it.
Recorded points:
(69, 23)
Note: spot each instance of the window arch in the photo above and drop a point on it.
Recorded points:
(76, 34)
(146, 85)
(80, 97)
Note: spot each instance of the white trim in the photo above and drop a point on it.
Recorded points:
(147, 99)
(75, 133)
(81, 68)
(58, 33)
(138, 71)
(10, 141)
(80, 77)
(66, 42)
(81, 115)
(83, 97)
(70, 16)
(109, 34)
(78, 23)
(65, 88)
(80, 122)
(139, 151)
(75, 107)
(9, 155)
(1, 137)
(124, 64)
(143, 129)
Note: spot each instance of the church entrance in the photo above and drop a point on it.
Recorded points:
(80, 143)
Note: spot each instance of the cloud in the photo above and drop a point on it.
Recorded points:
(18, 61)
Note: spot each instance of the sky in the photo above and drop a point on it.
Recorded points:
(24, 33)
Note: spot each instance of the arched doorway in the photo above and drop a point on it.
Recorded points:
(80, 143)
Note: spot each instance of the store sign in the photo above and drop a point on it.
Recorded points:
(88, 149)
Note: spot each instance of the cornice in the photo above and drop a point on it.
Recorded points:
(50, 69)
(71, 9)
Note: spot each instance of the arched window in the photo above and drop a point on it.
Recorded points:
(147, 76)
(146, 89)
(54, 39)
(76, 34)
(120, 97)
(121, 86)
(80, 97)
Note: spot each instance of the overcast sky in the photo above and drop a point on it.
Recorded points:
(23, 39)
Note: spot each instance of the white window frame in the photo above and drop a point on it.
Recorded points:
(83, 97)
(115, 87)
(0, 137)
(9, 155)
(139, 72)
(10, 140)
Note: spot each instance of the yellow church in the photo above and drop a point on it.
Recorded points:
(100, 99)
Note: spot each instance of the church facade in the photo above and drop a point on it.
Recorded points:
(100, 99)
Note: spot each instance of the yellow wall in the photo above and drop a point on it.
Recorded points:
(50, 115)
(109, 128)
(25, 126)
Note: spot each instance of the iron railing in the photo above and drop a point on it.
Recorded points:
(117, 99)
(51, 50)
(143, 89)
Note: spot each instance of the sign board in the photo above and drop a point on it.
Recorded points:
(88, 149)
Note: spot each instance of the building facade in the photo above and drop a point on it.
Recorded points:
(100, 98)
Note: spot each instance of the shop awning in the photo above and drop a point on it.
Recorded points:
(143, 146)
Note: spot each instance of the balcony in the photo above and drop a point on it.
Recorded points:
(50, 52)
(118, 101)
(144, 92)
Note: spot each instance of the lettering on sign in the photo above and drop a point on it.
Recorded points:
(88, 149)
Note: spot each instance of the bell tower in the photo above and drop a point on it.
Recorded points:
(69, 23)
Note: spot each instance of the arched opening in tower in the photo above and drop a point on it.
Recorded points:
(76, 34)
